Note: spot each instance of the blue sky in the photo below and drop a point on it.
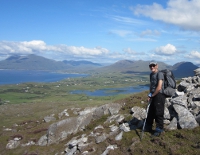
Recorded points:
(102, 31)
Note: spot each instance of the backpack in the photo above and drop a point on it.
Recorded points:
(169, 82)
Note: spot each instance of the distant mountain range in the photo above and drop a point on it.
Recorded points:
(34, 62)
(181, 69)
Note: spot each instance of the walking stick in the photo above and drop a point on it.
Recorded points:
(145, 119)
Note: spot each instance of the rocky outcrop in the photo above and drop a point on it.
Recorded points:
(60, 130)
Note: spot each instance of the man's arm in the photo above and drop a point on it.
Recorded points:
(158, 88)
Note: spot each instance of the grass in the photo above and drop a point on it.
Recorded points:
(25, 105)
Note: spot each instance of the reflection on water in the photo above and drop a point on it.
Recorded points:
(112, 91)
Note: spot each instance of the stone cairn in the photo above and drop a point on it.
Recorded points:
(182, 111)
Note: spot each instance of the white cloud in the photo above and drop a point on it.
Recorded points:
(85, 51)
(37, 46)
(166, 50)
(130, 51)
(194, 54)
(183, 13)
(128, 20)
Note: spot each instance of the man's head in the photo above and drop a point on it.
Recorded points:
(153, 66)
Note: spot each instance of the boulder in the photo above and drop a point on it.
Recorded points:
(185, 118)
(59, 131)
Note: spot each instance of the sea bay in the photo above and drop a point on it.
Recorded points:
(22, 76)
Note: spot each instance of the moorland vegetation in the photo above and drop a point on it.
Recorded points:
(24, 106)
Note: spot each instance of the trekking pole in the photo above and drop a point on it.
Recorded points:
(147, 110)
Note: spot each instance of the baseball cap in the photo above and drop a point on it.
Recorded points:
(153, 63)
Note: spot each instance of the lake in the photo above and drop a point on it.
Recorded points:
(112, 91)
(22, 76)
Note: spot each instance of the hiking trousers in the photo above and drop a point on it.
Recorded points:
(156, 111)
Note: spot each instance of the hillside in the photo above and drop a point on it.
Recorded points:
(128, 66)
(34, 62)
(183, 69)
(112, 128)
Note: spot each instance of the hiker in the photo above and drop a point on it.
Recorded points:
(156, 99)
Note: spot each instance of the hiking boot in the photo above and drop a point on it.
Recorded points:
(158, 132)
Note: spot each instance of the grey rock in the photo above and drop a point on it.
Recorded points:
(42, 141)
(114, 128)
(167, 102)
(49, 118)
(87, 111)
(166, 113)
(180, 100)
(112, 118)
(166, 121)
(124, 127)
(120, 119)
(182, 86)
(195, 111)
(108, 109)
(99, 127)
(71, 151)
(63, 113)
(172, 125)
(185, 118)
(179, 93)
(76, 142)
(119, 136)
(101, 138)
(114, 108)
(59, 131)
(139, 113)
(110, 147)
(12, 144)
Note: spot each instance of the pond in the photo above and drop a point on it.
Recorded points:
(112, 91)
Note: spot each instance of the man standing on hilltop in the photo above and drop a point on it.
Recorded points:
(156, 100)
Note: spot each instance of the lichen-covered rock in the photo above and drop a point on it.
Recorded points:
(173, 124)
(49, 119)
(12, 144)
(139, 113)
(185, 118)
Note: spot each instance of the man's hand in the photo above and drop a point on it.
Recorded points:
(150, 95)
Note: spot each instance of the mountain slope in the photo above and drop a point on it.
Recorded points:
(128, 66)
(82, 62)
(32, 62)
(183, 69)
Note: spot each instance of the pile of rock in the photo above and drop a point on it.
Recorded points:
(182, 111)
